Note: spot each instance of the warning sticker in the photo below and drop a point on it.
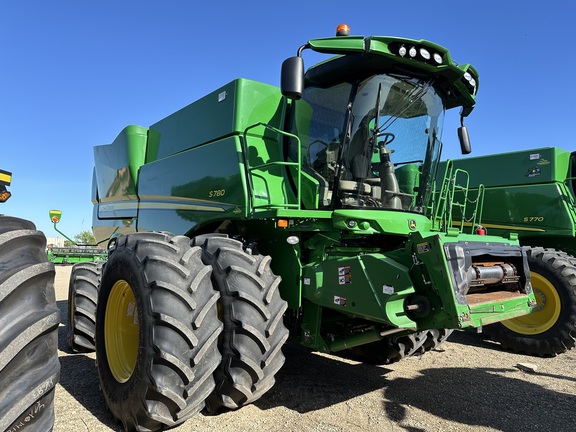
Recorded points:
(387, 289)
(423, 248)
(344, 275)
(340, 301)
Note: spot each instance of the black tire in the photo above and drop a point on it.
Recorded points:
(29, 318)
(389, 350)
(254, 331)
(551, 329)
(82, 302)
(435, 338)
(158, 374)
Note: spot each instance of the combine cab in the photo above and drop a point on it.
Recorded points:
(263, 213)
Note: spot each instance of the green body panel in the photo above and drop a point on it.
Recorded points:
(369, 285)
(117, 167)
(373, 222)
(528, 192)
(186, 189)
(237, 105)
(238, 162)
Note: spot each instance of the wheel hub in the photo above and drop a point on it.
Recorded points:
(121, 331)
(546, 313)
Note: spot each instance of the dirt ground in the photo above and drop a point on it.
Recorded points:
(469, 384)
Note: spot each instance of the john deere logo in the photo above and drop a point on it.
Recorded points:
(412, 224)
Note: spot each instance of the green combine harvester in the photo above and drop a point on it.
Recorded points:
(29, 320)
(531, 193)
(258, 214)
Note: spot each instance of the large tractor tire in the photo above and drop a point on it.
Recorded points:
(252, 311)
(434, 338)
(82, 302)
(389, 350)
(551, 328)
(157, 331)
(29, 318)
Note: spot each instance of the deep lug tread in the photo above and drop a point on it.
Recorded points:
(179, 331)
(254, 331)
(29, 366)
(388, 350)
(82, 304)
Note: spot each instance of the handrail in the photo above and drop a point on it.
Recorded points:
(250, 169)
(454, 193)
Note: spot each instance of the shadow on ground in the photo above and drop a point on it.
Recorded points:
(481, 397)
(488, 397)
(309, 382)
(79, 376)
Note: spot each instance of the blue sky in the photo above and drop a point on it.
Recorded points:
(74, 73)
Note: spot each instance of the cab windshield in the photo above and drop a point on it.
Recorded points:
(371, 144)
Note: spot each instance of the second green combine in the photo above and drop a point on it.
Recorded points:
(531, 194)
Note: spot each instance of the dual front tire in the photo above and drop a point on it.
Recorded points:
(180, 327)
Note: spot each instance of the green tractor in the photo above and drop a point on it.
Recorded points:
(532, 193)
(259, 214)
(29, 319)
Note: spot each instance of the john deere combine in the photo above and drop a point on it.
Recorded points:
(29, 317)
(259, 213)
(531, 193)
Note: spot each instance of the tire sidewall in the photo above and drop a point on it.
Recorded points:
(556, 278)
(119, 396)
(561, 336)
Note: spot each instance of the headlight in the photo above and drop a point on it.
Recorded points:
(468, 77)
(437, 58)
(425, 54)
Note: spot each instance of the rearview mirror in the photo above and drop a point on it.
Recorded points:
(292, 77)
(464, 139)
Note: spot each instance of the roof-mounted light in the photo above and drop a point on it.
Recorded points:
(425, 53)
(343, 30)
(418, 52)
(470, 81)
(468, 77)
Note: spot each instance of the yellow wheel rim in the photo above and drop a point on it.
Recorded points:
(546, 313)
(121, 330)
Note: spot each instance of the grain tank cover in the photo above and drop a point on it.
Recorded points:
(224, 112)
(534, 166)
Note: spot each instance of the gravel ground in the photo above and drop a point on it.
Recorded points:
(467, 385)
